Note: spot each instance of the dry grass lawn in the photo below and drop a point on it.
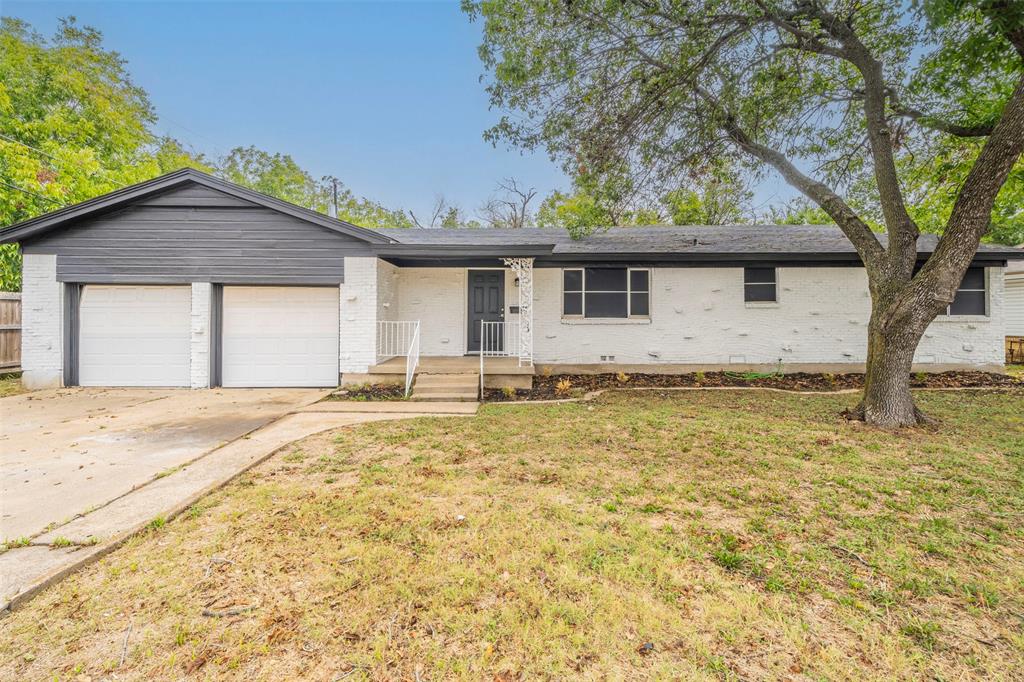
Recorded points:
(693, 535)
(11, 385)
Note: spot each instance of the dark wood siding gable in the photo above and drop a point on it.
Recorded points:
(197, 234)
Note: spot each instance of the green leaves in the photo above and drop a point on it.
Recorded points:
(73, 126)
(646, 88)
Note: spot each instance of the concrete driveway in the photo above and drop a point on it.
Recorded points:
(66, 452)
(83, 470)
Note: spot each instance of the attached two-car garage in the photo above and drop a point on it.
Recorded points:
(185, 280)
(263, 336)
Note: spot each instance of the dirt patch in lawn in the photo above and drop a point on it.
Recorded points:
(368, 392)
(704, 535)
(575, 385)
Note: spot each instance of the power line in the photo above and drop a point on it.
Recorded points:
(11, 139)
(35, 194)
(99, 171)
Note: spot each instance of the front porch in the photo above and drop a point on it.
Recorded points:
(499, 372)
(467, 326)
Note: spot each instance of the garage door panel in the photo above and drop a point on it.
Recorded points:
(280, 336)
(134, 335)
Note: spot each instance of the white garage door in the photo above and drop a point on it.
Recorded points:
(1014, 304)
(280, 336)
(134, 335)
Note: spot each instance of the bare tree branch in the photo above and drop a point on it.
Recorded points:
(510, 209)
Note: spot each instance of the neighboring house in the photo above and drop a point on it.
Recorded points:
(1015, 310)
(188, 280)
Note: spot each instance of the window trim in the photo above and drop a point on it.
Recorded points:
(628, 291)
(947, 315)
(775, 283)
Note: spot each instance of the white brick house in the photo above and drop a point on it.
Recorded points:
(187, 280)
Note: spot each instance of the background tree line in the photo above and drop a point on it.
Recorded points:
(73, 125)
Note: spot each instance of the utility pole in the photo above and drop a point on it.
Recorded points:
(334, 184)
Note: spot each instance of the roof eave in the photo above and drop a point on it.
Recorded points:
(441, 251)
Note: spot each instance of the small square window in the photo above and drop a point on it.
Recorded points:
(970, 295)
(759, 285)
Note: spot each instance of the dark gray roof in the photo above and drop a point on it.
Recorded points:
(727, 243)
(124, 196)
(677, 240)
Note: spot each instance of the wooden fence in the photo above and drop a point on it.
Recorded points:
(10, 330)
(1015, 350)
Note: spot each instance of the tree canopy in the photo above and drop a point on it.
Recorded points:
(73, 125)
(903, 116)
(666, 88)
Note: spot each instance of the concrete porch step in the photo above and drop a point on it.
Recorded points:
(457, 388)
(460, 397)
(447, 379)
(446, 387)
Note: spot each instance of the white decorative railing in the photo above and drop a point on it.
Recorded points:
(498, 339)
(394, 338)
(412, 360)
(400, 338)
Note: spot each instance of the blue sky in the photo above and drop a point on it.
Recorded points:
(385, 95)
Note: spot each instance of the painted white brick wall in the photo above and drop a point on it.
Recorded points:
(199, 371)
(358, 315)
(387, 291)
(969, 340)
(42, 318)
(698, 316)
(438, 298)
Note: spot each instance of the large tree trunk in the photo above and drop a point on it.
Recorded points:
(887, 400)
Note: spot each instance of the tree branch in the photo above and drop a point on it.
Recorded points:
(934, 122)
(943, 126)
(855, 229)
(971, 215)
(903, 231)
(970, 218)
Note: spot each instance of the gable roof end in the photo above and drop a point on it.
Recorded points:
(32, 227)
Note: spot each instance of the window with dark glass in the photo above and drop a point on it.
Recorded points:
(970, 295)
(606, 292)
(572, 292)
(759, 285)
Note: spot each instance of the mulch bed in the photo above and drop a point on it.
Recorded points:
(369, 392)
(546, 387)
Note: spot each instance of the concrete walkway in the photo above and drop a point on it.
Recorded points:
(26, 570)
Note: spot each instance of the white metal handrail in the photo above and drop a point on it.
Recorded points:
(498, 339)
(394, 338)
(412, 359)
